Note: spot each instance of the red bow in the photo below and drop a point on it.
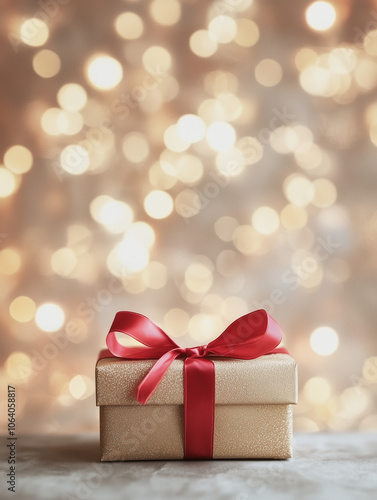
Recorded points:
(248, 337)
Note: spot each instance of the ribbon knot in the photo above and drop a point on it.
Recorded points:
(248, 337)
(196, 352)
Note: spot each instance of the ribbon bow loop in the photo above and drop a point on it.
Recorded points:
(142, 329)
(248, 337)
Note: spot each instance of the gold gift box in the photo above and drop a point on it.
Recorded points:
(253, 409)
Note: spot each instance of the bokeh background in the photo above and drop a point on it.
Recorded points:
(192, 161)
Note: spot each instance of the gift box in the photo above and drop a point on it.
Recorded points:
(201, 405)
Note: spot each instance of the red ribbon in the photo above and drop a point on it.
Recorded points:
(248, 337)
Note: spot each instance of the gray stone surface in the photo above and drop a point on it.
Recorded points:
(324, 466)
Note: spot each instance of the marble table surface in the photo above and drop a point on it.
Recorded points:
(324, 466)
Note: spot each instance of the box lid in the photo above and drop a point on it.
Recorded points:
(270, 379)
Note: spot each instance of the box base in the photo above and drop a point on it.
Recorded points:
(156, 432)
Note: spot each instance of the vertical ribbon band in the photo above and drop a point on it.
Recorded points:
(199, 407)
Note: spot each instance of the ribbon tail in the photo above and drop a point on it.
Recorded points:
(199, 408)
(150, 382)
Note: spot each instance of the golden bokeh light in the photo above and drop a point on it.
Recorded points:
(365, 74)
(198, 277)
(174, 141)
(320, 16)
(159, 178)
(247, 34)
(135, 147)
(55, 121)
(49, 317)
(187, 203)
(325, 193)
(81, 387)
(158, 204)
(305, 57)
(8, 183)
(231, 162)
(211, 303)
(134, 284)
(317, 390)
(370, 114)
(317, 81)
(155, 275)
(293, 217)
(72, 97)
(284, 140)
(176, 322)
(189, 169)
(142, 232)
(191, 128)
(74, 159)
(299, 190)
(18, 159)
(324, 341)
(225, 227)
(165, 12)
(221, 136)
(22, 309)
(223, 28)
(268, 72)
(157, 57)
(34, 32)
(247, 240)
(10, 261)
(341, 60)
(204, 327)
(46, 63)
(309, 156)
(116, 216)
(312, 279)
(232, 308)
(18, 367)
(217, 82)
(211, 110)
(104, 72)
(203, 43)
(73, 123)
(354, 400)
(370, 42)
(63, 261)
(129, 25)
(97, 204)
(231, 105)
(265, 220)
(132, 255)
